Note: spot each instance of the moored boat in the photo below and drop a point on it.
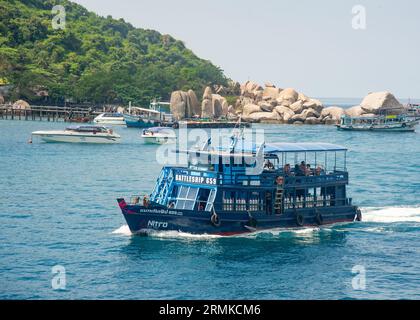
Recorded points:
(158, 135)
(80, 134)
(381, 123)
(115, 119)
(243, 189)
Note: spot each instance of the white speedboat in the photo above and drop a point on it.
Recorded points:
(159, 135)
(115, 119)
(80, 134)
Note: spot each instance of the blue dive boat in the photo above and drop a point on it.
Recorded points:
(247, 188)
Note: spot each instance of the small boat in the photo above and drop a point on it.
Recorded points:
(144, 118)
(380, 123)
(158, 135)
(115, 119)
(244, 188)
(80, 134)
(147, 118)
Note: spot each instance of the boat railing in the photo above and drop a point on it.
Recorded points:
(269, 179)
(325, 202)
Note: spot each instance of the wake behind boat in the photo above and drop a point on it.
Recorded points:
(80, 134)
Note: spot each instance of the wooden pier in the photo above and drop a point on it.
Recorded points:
(48, 113)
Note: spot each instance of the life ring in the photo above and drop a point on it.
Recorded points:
(300, 220)
(404, 125)
(215, 221)
(319, 219)
(279, 181)
(359, 217)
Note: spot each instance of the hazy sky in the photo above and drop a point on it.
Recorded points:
(305, 44)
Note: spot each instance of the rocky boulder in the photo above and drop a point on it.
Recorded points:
(262, 116)
(250, 109)
(289, 94)
(207, 110)
(285, 113)
(1, 99)
(309, 113)
(270, 93)
(250, 89)
(298, 117)
(297, 107)
(193, 108)
(184, 104)
(266, 106)
(378, 102)
(313, 104)
(312, 120)
(355, 111)
(21, 105)
(334, 112)
(220, 105)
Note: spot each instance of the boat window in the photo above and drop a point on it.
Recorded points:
(211, 199)
(241, 201)
(186, 198)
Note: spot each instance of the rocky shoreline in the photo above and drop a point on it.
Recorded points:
(269, 104)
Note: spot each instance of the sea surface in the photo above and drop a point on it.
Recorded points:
(58, 208)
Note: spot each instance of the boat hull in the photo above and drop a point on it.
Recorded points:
(137, 122)
(143, 220)
(69, 138)
(158, 140)
(115, 122)
(395, 129)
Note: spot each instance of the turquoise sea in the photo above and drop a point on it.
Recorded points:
(57, 207)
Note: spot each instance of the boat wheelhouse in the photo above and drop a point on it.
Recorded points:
(382, 123)
(146, 118)
(247, 188)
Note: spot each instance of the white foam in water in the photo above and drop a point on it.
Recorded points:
(391, 214)
(123, 230)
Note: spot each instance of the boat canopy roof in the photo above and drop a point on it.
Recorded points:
(145, 110)
(86, 128)
(282, 147)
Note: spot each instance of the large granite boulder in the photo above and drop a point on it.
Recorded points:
(378, 102)
(220, 105)
(1, 99)
(313, 104)
(285, 113)
(266, 106)
(250, 89)
(334, 112)
(250, 109)
(312, 120)
(194, 107)
(297, 107)
(309, 113)
(298, 117)
(21, 105)
(270, 93)
(303, 98)
(289, 94)
(355, 111)
(207, 109)
(208, 94)
(262, 116)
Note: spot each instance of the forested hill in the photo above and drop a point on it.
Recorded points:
(94, 59)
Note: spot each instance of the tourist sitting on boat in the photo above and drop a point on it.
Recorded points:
(269, 165)
(287, 170)
(308, 170)
(319, 171)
